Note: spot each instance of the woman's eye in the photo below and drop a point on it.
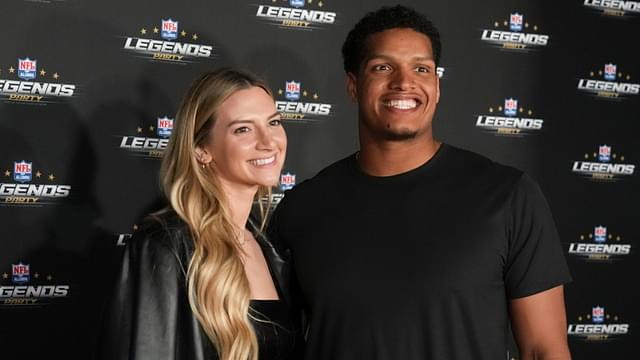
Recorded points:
(275, 122)
(241, 130)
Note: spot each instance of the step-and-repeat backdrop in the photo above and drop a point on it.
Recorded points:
(89, 90)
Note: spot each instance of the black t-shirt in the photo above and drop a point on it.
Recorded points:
(419, 265)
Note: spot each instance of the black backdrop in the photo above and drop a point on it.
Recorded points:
(79, 171)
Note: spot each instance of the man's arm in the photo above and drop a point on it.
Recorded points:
(540, 326)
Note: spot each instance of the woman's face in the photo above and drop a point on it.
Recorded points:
(247, 144)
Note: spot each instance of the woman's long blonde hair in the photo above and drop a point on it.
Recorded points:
(218, 288)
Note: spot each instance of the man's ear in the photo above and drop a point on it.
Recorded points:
(437, 88)
(203, 156)
(352, 88)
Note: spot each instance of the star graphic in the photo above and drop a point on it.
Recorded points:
(52, 177)
(195, 37)
(155, 30)
(183, 33)
(5, 275)
(521, 110)
(526, 25)
(49, 277)
(496, 24)
(43, 72)
(315, 96)
(279, 91)
(151, 128)
(490, 109)
(12, 70)
(506, 23)
(36, 275)
(135, 227)
(535, 27)
(530, 113)
(139, 130)
(320, 3)
(304, 93)
(143, 31)
(38, 174)
(56, 76)
(7, 173)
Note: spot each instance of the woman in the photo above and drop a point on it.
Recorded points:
(199, 281)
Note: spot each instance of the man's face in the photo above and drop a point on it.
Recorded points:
(397, 86)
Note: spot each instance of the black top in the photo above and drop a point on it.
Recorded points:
(276, 330)
(419, 265)
(149, 316)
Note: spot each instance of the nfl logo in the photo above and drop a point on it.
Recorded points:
(287, 181)
(600, 234)
(292, 90)
(597, 314)
(609, 72)
(510, 107)
(515, 22)
(26, 69)
(296, 3)
(169, 30)
(165, 126)
(22, 171)
(20, 273)
(604, 153)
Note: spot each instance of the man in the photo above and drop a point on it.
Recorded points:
(412, 249)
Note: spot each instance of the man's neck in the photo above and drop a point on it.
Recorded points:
(387, 158)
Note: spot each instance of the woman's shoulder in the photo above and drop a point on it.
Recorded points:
(163, 236)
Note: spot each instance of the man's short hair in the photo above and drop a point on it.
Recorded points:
(386, 18)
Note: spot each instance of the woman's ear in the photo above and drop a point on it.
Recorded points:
(203, 156)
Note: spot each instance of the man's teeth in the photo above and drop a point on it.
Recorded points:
(401, 104)
(260, 162)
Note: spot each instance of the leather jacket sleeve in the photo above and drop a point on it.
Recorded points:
(149, 316)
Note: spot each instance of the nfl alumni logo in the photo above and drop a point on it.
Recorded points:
(26, 69)
(515, 22)
(597, 314)
(165, 126)
(169, 29)
(287, 181)
(604, 153)
(600, 234)
(22, 171)
(20, 273)
(510, 107)
(609, 72)
(296, 3)
(292, 90)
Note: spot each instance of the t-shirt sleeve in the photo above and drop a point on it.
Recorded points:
(535, 260)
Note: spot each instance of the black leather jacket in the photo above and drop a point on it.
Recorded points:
(149, 316)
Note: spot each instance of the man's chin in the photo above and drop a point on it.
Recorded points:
(399, 135)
